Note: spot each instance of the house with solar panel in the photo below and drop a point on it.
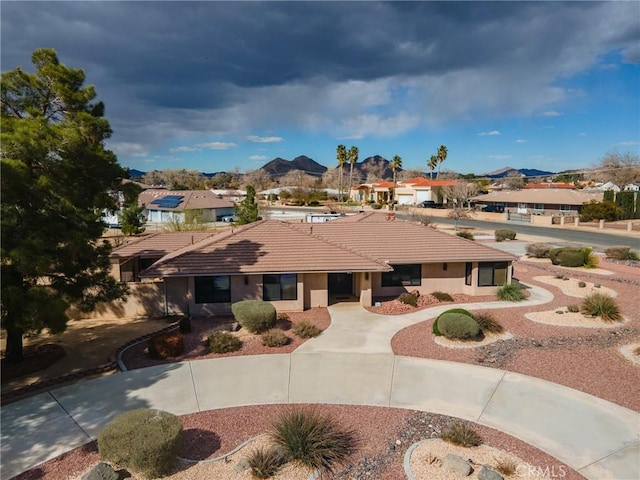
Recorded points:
(182, 206)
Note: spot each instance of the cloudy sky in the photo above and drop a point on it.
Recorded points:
(217, 85)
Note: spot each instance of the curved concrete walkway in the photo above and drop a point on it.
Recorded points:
(354, 366)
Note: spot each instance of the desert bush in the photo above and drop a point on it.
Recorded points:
(223, 342)
(274, 338)
(573, 308)
(506, 466)
(567, 256)
(465, 234)
(145, 441)
(589, 258)
(305, 329)
(582, 284)
(462, 434)
(504, 234)
(617, 252)
(538, 250)
(603, 306)
(165, 345)
(458, 326)
(409, 299)
(442, 296)
(254, 315)
(632, 255)
(265, 462)
(376, 206)
(487, 323)
(511, 292)
(313, 440)
(434, 326)
(595, 210)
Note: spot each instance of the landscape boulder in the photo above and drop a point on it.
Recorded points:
(102, 471)
(455, 463)
(487, 474)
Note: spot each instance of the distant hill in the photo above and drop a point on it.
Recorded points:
(526, 172)
(279, 166)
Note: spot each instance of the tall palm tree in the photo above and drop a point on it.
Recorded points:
(396, 164)
(442, 156)
(341, 155)
(353, 159)
(432, 164)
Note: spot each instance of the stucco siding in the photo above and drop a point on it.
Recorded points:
(315, 290)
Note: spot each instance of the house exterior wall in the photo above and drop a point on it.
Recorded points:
(177, 295)
(315, 290)
(363, 288)
(145, 299)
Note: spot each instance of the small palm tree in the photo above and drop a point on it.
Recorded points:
(396, 164)
(341, 155)
(442, 156)
(353, 159)
(432, 164)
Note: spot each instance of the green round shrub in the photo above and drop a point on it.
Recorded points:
(434, 327)
(256, 316)
(567, 256)
(458, 326)
(145, 441)
(223, 342)
(165, 345)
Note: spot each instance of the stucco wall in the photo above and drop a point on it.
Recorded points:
(315, 290)
(144, 300)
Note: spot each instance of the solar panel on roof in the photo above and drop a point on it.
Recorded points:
(168, 201)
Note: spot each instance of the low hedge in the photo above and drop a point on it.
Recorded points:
(504, 234)
(434, 327)
(145, 441)
(256, 316)
(567, 256)
(538, 250)
(617, 252)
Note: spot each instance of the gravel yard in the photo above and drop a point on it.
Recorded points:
(588, 359)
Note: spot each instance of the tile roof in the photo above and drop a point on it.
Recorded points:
(364, 242)
(426, 182)
(547, 195)
(159, 244)
(569, 186)
(193, 199)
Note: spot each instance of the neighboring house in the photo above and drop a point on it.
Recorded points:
(127, 261)
(415, 190)
(547, 201)
(113, 219)
(166, 206)
(632, 187)
(603, 187)
(297, 266)
(530, 186)
(377, 192)
(231, 195)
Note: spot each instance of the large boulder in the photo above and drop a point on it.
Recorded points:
(457, 464)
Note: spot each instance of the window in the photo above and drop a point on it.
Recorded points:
(213, 289)
(468, 269)
(403, 275)
(565, 208)
(492, 274)
(280, 287)
(538, 206)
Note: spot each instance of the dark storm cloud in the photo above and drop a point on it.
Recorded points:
(252, 62)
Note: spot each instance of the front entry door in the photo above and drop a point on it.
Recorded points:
(341, 284)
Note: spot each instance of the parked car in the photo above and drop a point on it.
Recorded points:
(493, 208)
(429, 204)
(228, 218)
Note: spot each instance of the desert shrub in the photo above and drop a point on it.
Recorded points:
(376, 206)
(603, 306)
(487, 323)
(504, 234)
(305, 329)
(274, 338)
(255, 315)
(442, 296)
(617, 253)
(313, 440)
(589, 258)
(582, 284)
(506, 466)
(223, 342)
(632, 255)
(595, 210)
(185, 325)
(282, 317)
(573, 308)
(409, 299)
(465, 234)
(165, 345)
(145, 441)
(265, 462)
(538, 250)
(462, 434)
(458, 326)
(567, 256)
(434, 327)
(510, 292)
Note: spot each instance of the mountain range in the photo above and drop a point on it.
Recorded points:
(279, 167)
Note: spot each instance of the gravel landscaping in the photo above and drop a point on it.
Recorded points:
(588, 359)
